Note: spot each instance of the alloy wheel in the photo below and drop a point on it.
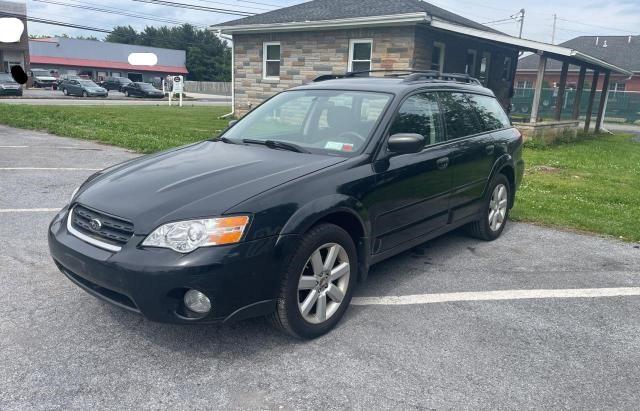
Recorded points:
(323, 283)
(498, 207)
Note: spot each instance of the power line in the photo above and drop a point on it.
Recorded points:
(117, 12)
(197, 7)
(54, 23)
(597, 26)
(237, 5)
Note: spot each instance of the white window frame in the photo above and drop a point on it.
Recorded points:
(264, 59)
(442, 55)
(352, 43)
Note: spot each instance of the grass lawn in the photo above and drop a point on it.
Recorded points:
(145, 129)
(592, 185)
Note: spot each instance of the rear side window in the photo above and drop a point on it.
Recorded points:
(420, 114)
(460, 117)
(490, 112)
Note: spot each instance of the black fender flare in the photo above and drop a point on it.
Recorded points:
(506, 160)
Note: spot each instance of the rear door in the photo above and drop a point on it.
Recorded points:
(470, 125)
(412, 190)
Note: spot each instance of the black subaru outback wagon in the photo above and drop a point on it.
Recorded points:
(284, 213)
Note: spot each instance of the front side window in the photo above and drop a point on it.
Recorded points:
(490, 112)
(271, 63)
(419, 114)
(360, 55)
(336, 122)
(460, 117)
(437, 57)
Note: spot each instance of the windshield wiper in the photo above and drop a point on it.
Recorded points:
(227, 140)
(277, 144)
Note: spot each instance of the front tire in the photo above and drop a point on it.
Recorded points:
(318, 284)
(84, 94)
(495, 211)
(65, 92)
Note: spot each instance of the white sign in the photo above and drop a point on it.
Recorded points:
(178, 84)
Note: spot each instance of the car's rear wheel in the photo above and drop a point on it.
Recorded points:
(495, 211)
(65, 92)
(126, 93)
(318, 284)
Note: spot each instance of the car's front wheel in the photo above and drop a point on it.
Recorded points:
(84, 94)
(317, 286)
(65, 92)
(495, 210)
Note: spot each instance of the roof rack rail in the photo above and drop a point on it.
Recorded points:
(409, 75)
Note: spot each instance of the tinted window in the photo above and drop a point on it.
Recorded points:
(459, 116)
(420, 114)
(490, 112)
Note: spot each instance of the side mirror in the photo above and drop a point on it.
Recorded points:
(405, 143)
(232, 122)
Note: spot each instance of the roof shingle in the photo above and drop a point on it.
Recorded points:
(318, 10)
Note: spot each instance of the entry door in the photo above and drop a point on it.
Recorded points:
(412, 190)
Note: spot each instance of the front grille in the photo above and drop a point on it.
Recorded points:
(112, 230)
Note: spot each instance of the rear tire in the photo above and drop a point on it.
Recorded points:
(65, 92)
(495, 211)
(318, 283)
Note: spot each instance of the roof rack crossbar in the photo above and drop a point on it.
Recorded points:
(408, 74)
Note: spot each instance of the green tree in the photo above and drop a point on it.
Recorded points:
(208, 57)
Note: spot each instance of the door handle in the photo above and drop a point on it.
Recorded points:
(489, 149)
(443, 163)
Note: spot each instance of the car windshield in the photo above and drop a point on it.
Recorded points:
(123, 80)
(40, 73)
(146, 86)
(88, 83)
(6, 78)
(328, 121)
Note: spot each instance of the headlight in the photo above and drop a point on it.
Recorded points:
(186, 236)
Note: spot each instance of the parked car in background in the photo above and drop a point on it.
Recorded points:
(8, 86)
(115, 83)
(66, 77)
(138, 89)
(286, 211)
(41, 78)
(84, 88)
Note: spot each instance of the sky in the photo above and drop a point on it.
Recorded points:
(574, 17)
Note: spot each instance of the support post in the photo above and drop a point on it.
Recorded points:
(538, 89)
(592, 97)
(603, 101)
(561, 90)
(578, 97)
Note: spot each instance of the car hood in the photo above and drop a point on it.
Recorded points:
(199, 180)
(47, 78)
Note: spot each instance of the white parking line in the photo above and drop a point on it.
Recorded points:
(14, 146)
(497, 295)
(29, 210)
(50, 168)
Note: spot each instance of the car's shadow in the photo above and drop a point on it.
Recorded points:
(255, 335)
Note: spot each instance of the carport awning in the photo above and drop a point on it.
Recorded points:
(562, 53)
(61, 61)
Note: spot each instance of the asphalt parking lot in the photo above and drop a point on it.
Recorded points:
(409, 341)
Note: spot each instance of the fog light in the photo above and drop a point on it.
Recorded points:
(197, 302)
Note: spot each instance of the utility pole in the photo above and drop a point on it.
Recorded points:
(553, 34)
(521, 18)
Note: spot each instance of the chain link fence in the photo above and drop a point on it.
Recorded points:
(622, 106)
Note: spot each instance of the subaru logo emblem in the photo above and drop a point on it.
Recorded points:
(95, 224)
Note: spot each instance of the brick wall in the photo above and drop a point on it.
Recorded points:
(306, 55)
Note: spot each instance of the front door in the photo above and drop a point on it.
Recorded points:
(412, 190)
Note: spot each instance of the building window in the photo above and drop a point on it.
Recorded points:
(507, 69)
(470, 65)
(524, 84)
(271, 60)
(437, 57)
(360, 55)
(9, 64)
(485, 68)
(617, 87)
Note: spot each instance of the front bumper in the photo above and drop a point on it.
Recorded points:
(10, 92)
(241, 280)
